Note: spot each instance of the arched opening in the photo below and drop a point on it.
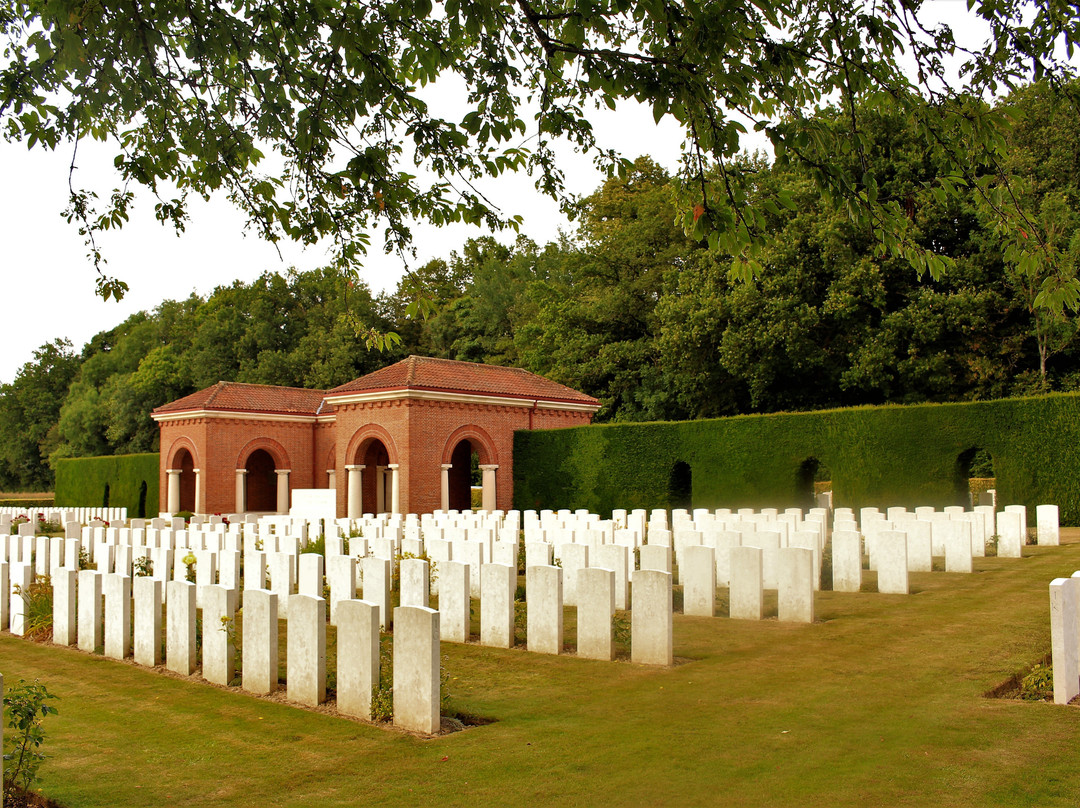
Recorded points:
(186, 463)
(681, 486)
(812, 480)
(464, 473)
(975, 475)
(105, 499)
(141, 510)
(261, 481)
(378, 493)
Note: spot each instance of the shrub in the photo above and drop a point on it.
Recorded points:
(81, 481)
(876, 456)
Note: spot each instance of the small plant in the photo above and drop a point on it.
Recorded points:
(258, 544)
(185, 515)
(25, 707)
(189, 562)
(47, 528)
(521, 560)
(1038, 685)
(144, 567)
(521, 621)
(38, 603)
(228, 625)
(620, 629)
(84, 560)
(992, 545)
(382, 694)
(444, 686)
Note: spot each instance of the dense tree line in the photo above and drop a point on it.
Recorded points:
(631, 310)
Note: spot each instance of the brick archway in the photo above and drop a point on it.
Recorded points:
(457, 481)
(362, 439)
(180, 485)
(182, 442)
(270, 446)
(481, 441)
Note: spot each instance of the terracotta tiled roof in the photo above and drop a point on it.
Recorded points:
(446, 375)
(238, 397)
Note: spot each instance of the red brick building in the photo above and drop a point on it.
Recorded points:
(401, 439)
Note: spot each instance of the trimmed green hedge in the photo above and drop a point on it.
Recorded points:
(81, 482)
(876, 456)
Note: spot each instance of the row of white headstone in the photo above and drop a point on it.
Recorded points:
(122, 616)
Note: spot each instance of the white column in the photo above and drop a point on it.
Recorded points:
(395, 489)
(172, 502)
(487, 501)
(380, 489)
(198, 493)
(332, 484)
(356, 504)
(241, 490)
(282, 490)
(446, 486)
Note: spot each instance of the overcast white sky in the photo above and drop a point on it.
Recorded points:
(48, 283)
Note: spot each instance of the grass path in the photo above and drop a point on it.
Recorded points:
(881, 702)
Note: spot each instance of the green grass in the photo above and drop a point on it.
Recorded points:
(881, 702)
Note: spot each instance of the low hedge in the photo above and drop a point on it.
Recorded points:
(876, 456)
(81, 482)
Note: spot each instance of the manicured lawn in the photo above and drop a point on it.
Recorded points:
(881, 702)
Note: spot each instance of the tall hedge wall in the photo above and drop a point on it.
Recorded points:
(893, 455)
(81, 482)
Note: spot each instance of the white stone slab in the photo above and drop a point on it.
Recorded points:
(699, 581)
(1064, 595)
(305, 679)
(892, 562)
(746, 597)
(417, 683)
(497, 587)
(846, 561)
(357, 656)
(795, 593)
(260, 641)
(595, 609)
(543, 589)
(180, 612)
(651, 634)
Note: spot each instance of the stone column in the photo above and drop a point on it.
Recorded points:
(380, 489)
(241, 491)
(172, 502)
(356, 504)
(487, 501)
(331, 479)
(445, 487)
(282, 490)
(197, 507)
(395, 488)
